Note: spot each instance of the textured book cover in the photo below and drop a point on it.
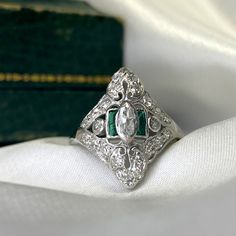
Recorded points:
(55, 64)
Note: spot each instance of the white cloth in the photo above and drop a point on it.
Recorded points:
(184, 51)
(202, 159)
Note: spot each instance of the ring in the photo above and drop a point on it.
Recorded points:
(127, 129)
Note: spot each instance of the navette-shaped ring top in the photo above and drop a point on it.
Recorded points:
(127, 129)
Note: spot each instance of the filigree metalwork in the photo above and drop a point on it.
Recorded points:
(127, 128)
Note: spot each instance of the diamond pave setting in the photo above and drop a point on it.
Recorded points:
(127, 129)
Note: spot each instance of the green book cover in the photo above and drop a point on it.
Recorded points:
(54, 66)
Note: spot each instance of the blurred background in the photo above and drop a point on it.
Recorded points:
(56, 58)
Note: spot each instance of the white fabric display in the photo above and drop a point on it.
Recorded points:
(184, 52)
(200, 160)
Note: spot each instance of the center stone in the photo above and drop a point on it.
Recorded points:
(126, 122)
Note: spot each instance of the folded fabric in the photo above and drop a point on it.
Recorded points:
(186, 191)
(202, 159)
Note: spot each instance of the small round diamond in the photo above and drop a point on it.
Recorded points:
(98, 127)
(154, 124)
(148, 101)
(85, 138)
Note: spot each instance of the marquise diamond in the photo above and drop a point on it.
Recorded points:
(126, 122)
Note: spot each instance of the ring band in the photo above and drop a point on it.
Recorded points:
(127, 129)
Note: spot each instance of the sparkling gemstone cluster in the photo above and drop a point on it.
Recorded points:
(154, 108)
(134, 87)
(127, 128)
(154, 144)
(101, 147)
(129, 165)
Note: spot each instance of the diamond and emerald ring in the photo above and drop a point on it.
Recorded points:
(127, 129)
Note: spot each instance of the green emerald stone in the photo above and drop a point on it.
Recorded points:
(142, 123)
(112, 123)
(141, 131)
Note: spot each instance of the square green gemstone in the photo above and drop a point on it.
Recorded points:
(142, 123)
(112, 123)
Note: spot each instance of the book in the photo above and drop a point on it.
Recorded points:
(56, 60)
